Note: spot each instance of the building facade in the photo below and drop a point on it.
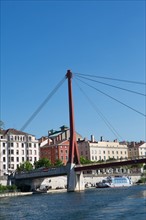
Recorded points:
(16, 147)
(102, 150)
(56, 147)
(58, 150)
(136, 149)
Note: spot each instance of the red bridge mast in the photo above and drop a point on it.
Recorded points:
(73, 149)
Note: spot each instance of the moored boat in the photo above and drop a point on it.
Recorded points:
(115, 181)
(40, 191)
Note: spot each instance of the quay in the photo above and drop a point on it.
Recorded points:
(12, 194)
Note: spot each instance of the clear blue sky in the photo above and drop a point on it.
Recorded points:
(41, 40)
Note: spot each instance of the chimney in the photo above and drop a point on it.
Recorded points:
(92, 138)
(101, 138)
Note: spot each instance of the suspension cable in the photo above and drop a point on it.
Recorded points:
(113, 98)
(112, 129)
(117, 87)
(42, 104)
(102, 77)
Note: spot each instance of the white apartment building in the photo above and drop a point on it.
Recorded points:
(102, 150)
(16, 147)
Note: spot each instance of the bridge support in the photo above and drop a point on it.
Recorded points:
(75, 180)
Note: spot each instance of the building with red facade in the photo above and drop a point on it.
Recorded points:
(56, 145)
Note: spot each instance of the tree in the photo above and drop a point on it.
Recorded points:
(58, 163)
(26, 166)
(44, 162)
(84, 161)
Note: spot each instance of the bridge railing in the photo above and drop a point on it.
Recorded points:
(41, 173)
(114, 160)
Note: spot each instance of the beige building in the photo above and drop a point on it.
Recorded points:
(16, 147)
(136, 149)
(102, 150)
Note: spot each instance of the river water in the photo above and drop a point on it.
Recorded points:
(108, 203)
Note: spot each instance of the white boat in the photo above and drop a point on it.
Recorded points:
(115, 181)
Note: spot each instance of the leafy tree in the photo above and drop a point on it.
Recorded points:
(83, 160)
(44, 162)
(26, 166)
(58, 163)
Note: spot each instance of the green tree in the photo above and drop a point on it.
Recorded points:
(26, 166)
(44, 162)
(83, 160)
(58, 163)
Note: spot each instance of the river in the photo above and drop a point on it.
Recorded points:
(108, 203)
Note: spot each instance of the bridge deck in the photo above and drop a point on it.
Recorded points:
(50, 172)
(110, 164)
(62, 170)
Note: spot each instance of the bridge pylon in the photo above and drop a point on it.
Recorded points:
(74, 180)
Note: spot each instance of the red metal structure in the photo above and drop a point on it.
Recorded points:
(73, 149)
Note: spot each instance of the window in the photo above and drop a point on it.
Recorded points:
(11, 151)
(17, 152)
(4, 151)
(22, 144)
(11, 144)
(22, 158)
(4, 166)
(4, 159)
(17, 159)
(12, 159)
(3, 144)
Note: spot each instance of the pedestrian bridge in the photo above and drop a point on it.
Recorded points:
(46, 172)
(63, 170)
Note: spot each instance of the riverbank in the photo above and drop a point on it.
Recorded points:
(12, 194)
